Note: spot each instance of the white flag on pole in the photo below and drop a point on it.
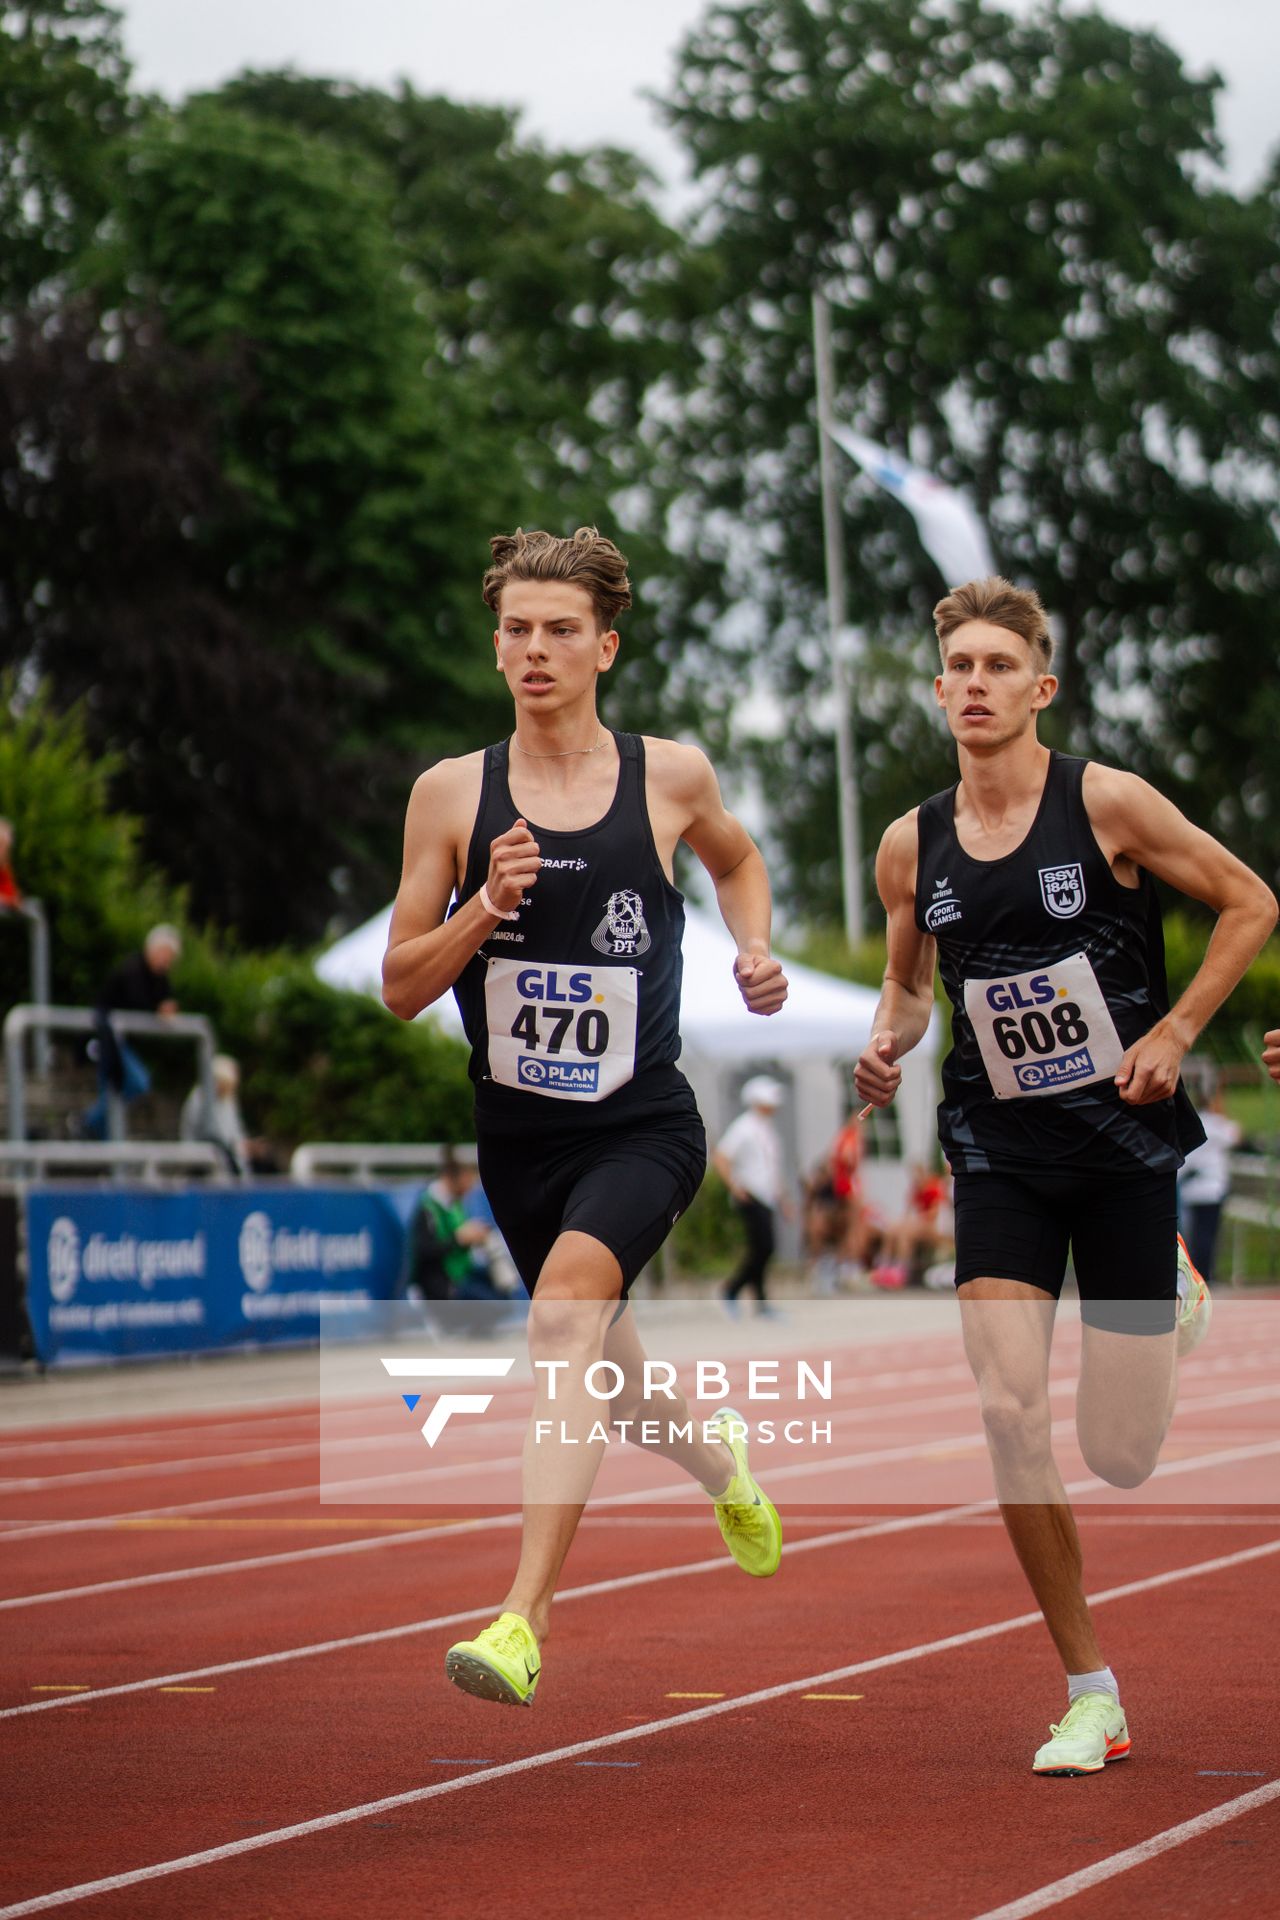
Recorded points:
(950, 531)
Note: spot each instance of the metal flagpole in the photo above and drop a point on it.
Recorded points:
(843, 670)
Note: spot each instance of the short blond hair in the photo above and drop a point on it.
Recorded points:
(1000, 604)
(587, 560)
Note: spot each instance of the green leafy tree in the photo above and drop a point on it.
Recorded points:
(1043, 291)
(64, 93)
(73, 849)
(118, 528)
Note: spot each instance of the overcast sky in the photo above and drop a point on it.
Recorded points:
(578, 68)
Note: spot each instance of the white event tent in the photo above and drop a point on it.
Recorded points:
(809, 1046)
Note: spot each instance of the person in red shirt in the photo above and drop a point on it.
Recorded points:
(10, 892)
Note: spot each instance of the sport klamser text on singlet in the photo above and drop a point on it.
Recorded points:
(1053, 969)
(574, 1006)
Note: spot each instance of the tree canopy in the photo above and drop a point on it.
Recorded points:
(1042, 290)
(275, 361)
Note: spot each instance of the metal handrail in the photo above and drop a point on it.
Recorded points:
(363, 1158)
(152, 1157)
(21, 1020)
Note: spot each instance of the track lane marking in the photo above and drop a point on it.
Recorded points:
(1057, 1891)
(1164, 1470)
(941, 1446)
(618, 1584)
(347, 1816)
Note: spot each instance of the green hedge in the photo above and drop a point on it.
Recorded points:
(321, 1064)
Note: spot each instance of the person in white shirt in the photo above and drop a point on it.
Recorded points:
(223, 1124)
(749, 1161)
(1205, 1182)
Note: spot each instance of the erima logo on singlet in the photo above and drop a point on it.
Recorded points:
(1062, 890)
(623, 931)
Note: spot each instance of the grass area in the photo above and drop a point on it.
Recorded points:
(1256, 1110)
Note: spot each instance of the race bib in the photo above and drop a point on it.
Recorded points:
(563, 1031)
(1044, 1031)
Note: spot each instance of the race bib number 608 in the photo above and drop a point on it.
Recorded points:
(1045, 1031)
(568, 1033)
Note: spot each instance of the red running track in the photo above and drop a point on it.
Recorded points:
(228, 1699)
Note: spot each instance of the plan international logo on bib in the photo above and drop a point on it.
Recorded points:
(559, 1076)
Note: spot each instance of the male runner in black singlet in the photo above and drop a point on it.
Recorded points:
(563, 948)
(1062, 1113)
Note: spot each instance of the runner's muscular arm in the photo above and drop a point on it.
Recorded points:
(687, 782)
(425, 951)
(906, 999)
(1132, 821)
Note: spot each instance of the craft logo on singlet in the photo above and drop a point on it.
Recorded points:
(623, 930)
(1062, 890)
(944, 909)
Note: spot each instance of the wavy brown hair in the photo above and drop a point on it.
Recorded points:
(585, 560)
(1000, 604)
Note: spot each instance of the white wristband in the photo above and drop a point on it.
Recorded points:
(489, 907)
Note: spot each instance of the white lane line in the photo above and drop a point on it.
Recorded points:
(1057, 1891)
(1195, 1463)
(1059, 1384)
(347, 1816)
(903, 1523)
(333, 1549)
(876, 1456)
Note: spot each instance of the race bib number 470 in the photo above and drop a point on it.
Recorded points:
(566, 1032)
(1045, 1031)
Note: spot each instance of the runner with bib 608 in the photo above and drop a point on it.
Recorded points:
(563, 949)
(1063, 1114)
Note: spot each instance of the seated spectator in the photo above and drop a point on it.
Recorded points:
(919, 1238)
(457, 1253)
(224, 1125)
(139, 984)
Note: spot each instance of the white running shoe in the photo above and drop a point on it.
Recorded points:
(1091, 1732)
(1195, 1303)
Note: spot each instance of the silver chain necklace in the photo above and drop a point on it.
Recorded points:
(567, 754)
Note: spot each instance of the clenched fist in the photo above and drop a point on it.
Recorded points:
(877, 1075)
(761, 982)
(514, 861)
(1271, 1053)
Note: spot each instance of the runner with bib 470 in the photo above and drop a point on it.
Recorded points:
(563, 949)
(1063, 1114)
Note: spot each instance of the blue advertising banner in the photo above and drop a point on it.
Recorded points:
(118, 1272)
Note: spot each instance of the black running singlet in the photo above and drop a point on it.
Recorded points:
(575, 1004)
(1053, 969)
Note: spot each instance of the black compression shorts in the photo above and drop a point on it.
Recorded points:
(624, 1185)
(1120, 1228)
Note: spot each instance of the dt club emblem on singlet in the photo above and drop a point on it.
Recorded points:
(623, 930)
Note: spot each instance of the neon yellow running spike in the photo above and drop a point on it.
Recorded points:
(1195, 1303)
(502, 1663)
(747, 1518)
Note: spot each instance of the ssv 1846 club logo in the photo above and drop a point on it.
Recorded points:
(444, 1408)
(1062, 889)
